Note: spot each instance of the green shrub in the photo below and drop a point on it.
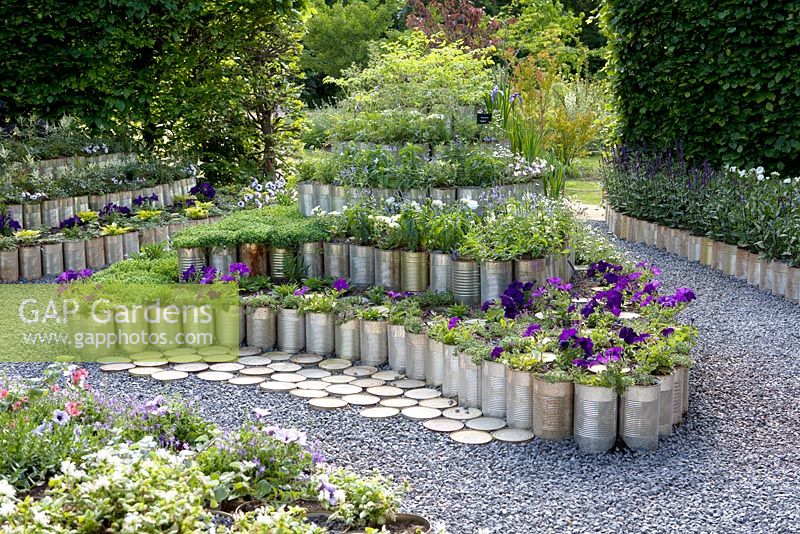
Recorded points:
(141, 271)
(721, 76)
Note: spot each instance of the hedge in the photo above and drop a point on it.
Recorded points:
(720, 76)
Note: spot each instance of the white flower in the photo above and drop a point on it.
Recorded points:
(40, 518)
(6, 489)
(472, 204)
(787, 180)
(437, 203)
(7, 508)
(390, 200)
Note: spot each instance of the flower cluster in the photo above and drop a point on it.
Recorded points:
(8, 225)
(72, 276)
(259, 195)
(210, 274)
(101, 148)
(143, 200)
(203, 191)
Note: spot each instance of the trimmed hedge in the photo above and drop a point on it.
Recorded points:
(720, 76)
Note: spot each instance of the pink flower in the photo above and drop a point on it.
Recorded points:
(3, 393)
(73, 409)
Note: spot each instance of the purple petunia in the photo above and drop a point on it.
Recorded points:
(204, 189)
(486, 305)
(189, 273)
(240, 269)
(71, 276)
(60, 417)
(629, 336)
(566, 335)
(227, 278)
(612, 354)
(454, 321)
(317, 457)
(302, 291)
(398, 295)
(666, 332)
(496, 352)
(341, 284)
(532, 330)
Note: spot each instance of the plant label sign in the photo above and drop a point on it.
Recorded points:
(484, 118)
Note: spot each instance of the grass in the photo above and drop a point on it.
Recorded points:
(584, 182)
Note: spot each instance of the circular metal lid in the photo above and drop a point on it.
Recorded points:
(309, 393)
(285, 367)
(422, 393)
(471, 437)
(215, 376)
(220, 358)
(327, 403)
(278, 356)
(143, 371)
(398, 402)
(379, 412)
(255, 361)
(440, 403)
(229, 367)
(150, 363)
(335, 364)
(443, 424)
(169, 376)
(487, 424)
(246, 380)
(247, 352)
(277, 387)
(367, 382)
(287, 377)
(318, 385)
(385, 391)
(116, 367)
(306, 359)
(513, 435)
(360, 371)
(361, 399)
(338, 379)
(213, 351)
(257, 371)
(343, 389)
(185, 358)
(420, 413)
(314, 373)
(388, 376)
(191, 367)
(409, 383)
(462, 414)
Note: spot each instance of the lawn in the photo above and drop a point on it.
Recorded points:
(584, 183)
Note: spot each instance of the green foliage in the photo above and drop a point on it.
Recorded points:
(269, 520)
(141, 271)
(368, 501)
(592, 246)
(721, 77)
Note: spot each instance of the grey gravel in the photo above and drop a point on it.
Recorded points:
(733, 466)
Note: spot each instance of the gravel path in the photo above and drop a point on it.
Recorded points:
(733, 466)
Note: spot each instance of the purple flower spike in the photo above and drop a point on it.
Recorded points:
(341, 284)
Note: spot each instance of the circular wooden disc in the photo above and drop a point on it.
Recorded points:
(318, 385)
(338, 379)
(285, 367)
(143, 371)
(184, 351)
(388, 376)
(361, 399)
(220, 358)
(214, 376)
(248, 352)
(367, 382)
(379, 412)
(327, 403)
(213, 351)
(361, 371)
(343, 389)
(306, 359)
(462, 414)
(287, 377)
(185, 358)
(409, 383)
(150, 363)
(335, 364)
(471, 437)
(191, 367)
(314, 373)
(385, 391)
(114, 359)
(512, 435)
(229, 367)
(440, 403)
(116, 367)
(443, 424)
(419, 413)
(149, 355)
(246, 380)
(257, 371)
(398, 402)
(277, 387)
(422, 393)
(308, 393)
(487, 424)
(255, 361)
(278, 356)
(169, 376)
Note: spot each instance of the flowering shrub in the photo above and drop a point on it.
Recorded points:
(359, 501)
(269, 520)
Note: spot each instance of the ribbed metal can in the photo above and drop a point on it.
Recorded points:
(396, 337)
(191, 257)
(374, 344)
(730, 266)
(338, 198)
(130, 244)
(742, 259)
(97, 202)
(261, 328)
(197, 333)
(667, 388)
(347, 339)
(416, 355)
(126, 199)
(305, 198)
(291, 330)
(221, 258)
(81, 204)
(638, 417)
(446, 195)
(387, 269)
(469, 382)
(693, 246)
(337, 260)
(9, 265)
(780, 278)
(441, 272)
(706, 251)
(677, 395)
(311, 256)
(114, 246)
(162, 234)
(595, 419)
(552, 409)
(227, 326)
(278, 259)
(754, 270)
(519, 399)
(362, 265)
(319, 333)
(685, 392)
(256, 257)
(50, 213)
(168, 194)
(434, 363)
(413, 271)
(322, 196)
(66, 208)
(52, 258)
(132, 336)
(531, 271)
(416, 194)
(493, 389)
(74, 255)
(451, 372)
(467, 282)
(32, 215)
(96, 253)
(495, 278)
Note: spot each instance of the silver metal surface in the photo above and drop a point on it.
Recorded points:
(96, 253)
(434, 363)
(52, 258)
(467, 282)
(469, 382)
(189, 257)
(531, 271)
(552, 409)
(305, 198)
(374, 345)
(416, 355)
(9, 265)
(441, 271)
(291, 330)
(130, 244)
(495, 278)
(362, 265)
(396, 336)
(278, 257)
(387, 269)
(337, 260)
(30, 262)
(221, 258)
(311, 256)
(319, 333)
(451, 372)
(638, 417)
(261, 328)
(519, 399)
(667, 388)
(347, 339)
(114, 246)
(493, 389)
(595, 418)
(413, 271)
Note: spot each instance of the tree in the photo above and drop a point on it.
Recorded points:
(455, 20)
